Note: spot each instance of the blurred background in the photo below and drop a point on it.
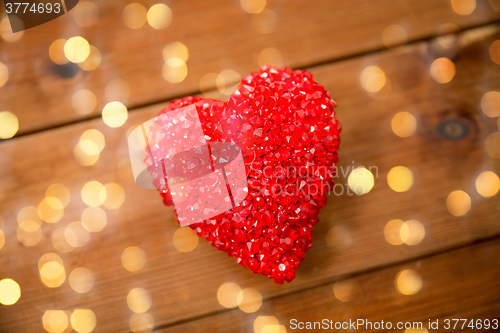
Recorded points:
(82, 248)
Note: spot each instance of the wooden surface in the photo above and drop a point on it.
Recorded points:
(458, 259)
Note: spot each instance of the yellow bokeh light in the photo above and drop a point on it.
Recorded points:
(249, 300)
(253, 6)
(416, 330)
(2, 239)
(159, 16)
(494, 52)
(83, 320)
(392, 232)
(56, 51)
(10, 292)
(394, 36)
(361, 180)
(59, 241)
(458, 203)
(139, 300)
(403, 124)
(141, 323)
(84, 101)
(227, 78)
(76, 235)
(408, 282)
(29, 219)
(490, 104)
(185, 240)
(76, 49)
(338, 238)
(262, 321)
(55, 321)
(487, 184)
(82, 157)
(89, 147)
(115, 196)
(208, 83)
(86, 14)
(400, 179)
(4, 74)
(264, 22)
(372, 79)
(6, 29)
(133, 259)
(29, 238)
(448, 35)
(93, 193)
(175, 50)
(60, 192)
(174, 70)
(92, 61)
(117, 90)
(463, 7)
(412, 232)
(51, 268)
(134, 15)
(344, 290)
(9, 125)
(271, 56)
(81, 280)
(114, 114)
(492, 144)
(51, 210)
(95, 136)
(94, 219)
(442, 70)
(227, 295)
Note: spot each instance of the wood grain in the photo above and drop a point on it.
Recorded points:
(219, 36)
(31, 163)
(461, 284)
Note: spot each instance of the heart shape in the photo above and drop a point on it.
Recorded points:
(285, 125)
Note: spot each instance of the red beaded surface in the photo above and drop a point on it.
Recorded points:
(285, 125)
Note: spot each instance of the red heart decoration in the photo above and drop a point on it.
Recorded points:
(285, 125)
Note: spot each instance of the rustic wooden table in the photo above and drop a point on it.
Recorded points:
(422, 245)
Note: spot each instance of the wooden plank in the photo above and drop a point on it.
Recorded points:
(30, 164)
(219, 36)
(461, 284)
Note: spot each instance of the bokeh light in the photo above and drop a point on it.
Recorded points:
(76, 234)
(81, 280)
(372, 79)
(6, 29)
(227, 295)
(442, 70)
(51, 210)
(392, 232)
(263, 324)
(86, 152)
(249, 300)
(4, 74)
(185, 240)
(271, 56)
(159, 16)
(448, 35)
(56, 52)
(141, 323)
(51, 269)
(338, 238)
(264, 22)
(29, 238)
(344, 290)
(9, 125)
(76, 49)
(458, 203)
(403, 124)
(463, 7)
(86, 14)
(253, 6)
(175, 50)
(60, 192)
(494, 52)
(115, 196)
(96, 137)
(10, 292)
(94, 219)
(83, 320)
(490, 104)
(55, 321)
(59, 241)
(134, 15)
(174, 70)
(117, 90)
(492, 144)
(408, 282)
(133, 258)
(139, 300)
(29, 219)
(400, 179)
(394, 36)
(208, 83)
(2, 239)
(93, 193)
(412, 232)
(92, 61)
(84, 102)
(227, 78)
(487, 184)
(360, 180)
